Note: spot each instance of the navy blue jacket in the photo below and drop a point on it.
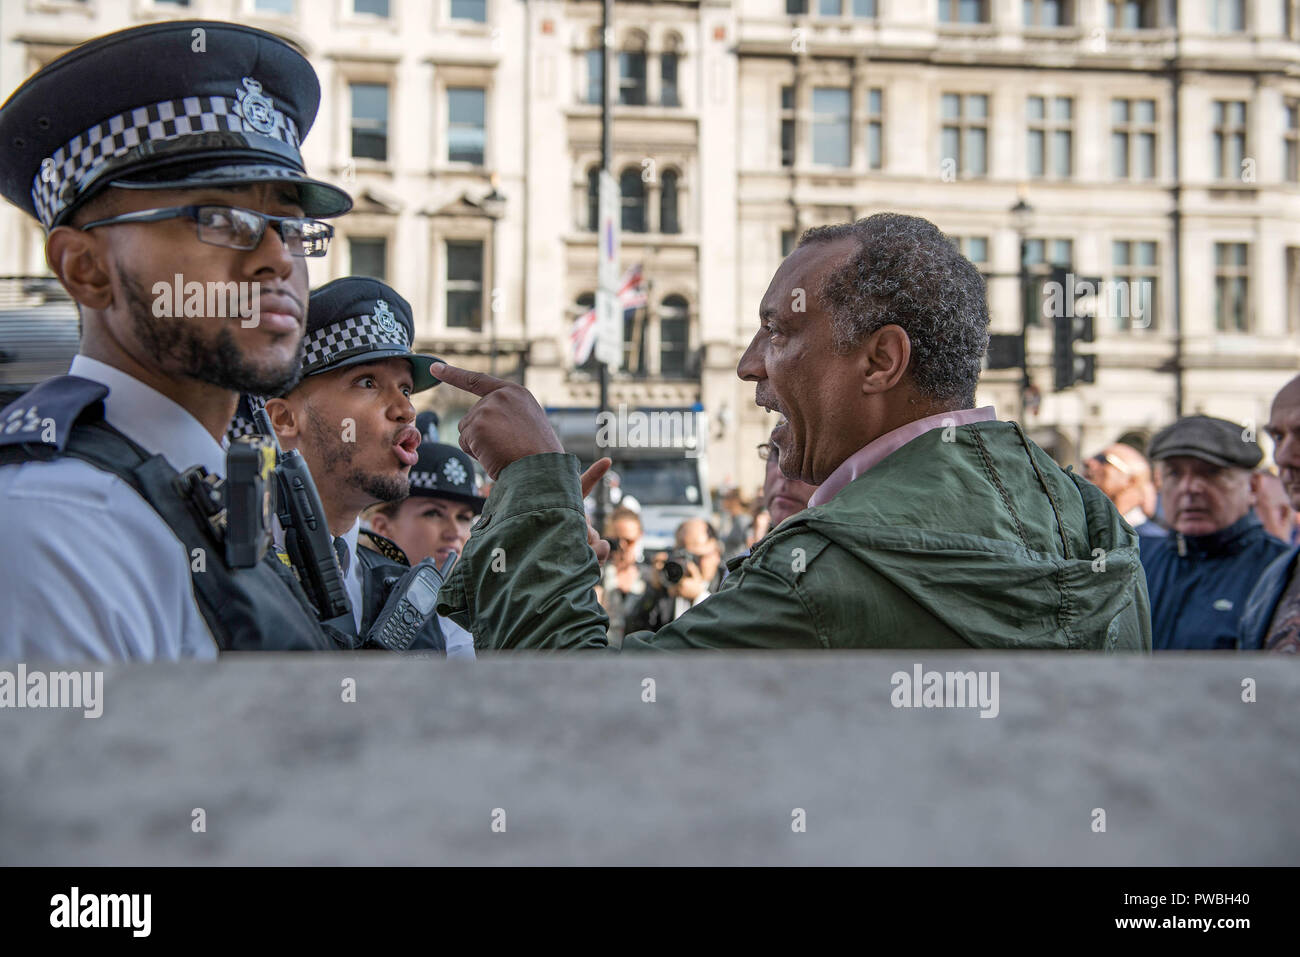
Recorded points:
(1262, 603)
(1199, 584)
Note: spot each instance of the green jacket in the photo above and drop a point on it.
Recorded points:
(980, 541)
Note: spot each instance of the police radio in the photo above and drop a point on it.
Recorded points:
(410, 605)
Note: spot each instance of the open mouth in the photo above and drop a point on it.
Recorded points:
(408, 440)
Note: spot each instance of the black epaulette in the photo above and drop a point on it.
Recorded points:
(44, 416)
(386, 547)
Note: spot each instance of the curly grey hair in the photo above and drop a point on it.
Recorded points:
(908, 273)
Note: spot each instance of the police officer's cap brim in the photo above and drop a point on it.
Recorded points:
(317, 199)
(421, 376)
(475, 502)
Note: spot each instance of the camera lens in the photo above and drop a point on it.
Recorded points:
(674, 572)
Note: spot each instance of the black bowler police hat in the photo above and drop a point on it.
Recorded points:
(443, 470)
(355, 320)
(1216, 441)
(177, 105)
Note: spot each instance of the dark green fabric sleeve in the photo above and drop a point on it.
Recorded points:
(527, 580)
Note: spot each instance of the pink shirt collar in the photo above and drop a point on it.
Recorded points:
(871, 454)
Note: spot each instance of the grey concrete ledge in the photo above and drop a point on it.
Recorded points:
(587, 772)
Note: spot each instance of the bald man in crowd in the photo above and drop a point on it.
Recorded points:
(1123, 474)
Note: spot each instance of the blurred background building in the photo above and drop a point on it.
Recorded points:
(1128, 140)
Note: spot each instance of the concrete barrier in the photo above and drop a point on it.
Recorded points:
(569, 758)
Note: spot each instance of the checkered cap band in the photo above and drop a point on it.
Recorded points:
(240, 427)
(81, 155)
(424, 480)
(329, 342)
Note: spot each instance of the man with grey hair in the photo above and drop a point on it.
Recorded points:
(934, 526)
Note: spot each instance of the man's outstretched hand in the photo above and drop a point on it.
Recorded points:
(506, 423)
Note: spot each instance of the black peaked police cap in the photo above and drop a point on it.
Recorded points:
(443, 471)
(355, 320)
(176, 105)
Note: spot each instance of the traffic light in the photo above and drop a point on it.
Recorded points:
(1073, 311)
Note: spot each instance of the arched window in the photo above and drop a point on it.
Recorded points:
(668, 221)
(595, 68)
(632, 191)
(668, 95)
(631, 71)
(674, 336)
(593, 199)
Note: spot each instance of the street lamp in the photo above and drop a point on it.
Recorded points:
(1022, 215)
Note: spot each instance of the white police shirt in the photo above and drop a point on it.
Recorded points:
(89, 571)
(460, 643)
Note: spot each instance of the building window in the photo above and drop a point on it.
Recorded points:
(1291, 137)
(475, 10)
(1231, 287)
(963, 11)
(465, 125)
(634, 336)
(368, 257)
(1047, 13)
(1051, 137)
(789, 239)
(1292, 288)
(631, 189)
(974, 248)
(595, 74)
(668, 221)
(875, 130)
(674, 337)
(1133, 303)
(787, 126)
(631, 78)
(372, 8)
(864, 9)
(370, 121)
(1228, 16)
(464, 285)
(965, 134)
(1041, 257)
(1133, 139)
(796, 7)
(668, 95)
(831, 137)
(1229, 138)
(1131, 14)
(593, 199)
(273, 6)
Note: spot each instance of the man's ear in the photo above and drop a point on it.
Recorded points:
(379, 524)
(884, 358)
(78, 260)
(286, 419)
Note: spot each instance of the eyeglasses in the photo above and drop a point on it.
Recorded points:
(1103, 458)
(237, 228)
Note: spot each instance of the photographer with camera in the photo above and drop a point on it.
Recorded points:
(684, 577)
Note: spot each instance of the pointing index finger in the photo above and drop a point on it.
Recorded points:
(478, 383)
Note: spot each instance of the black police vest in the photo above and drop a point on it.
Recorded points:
(262, 608)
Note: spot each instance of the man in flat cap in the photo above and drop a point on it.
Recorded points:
(1200, 576)
(352, 419)
(1271, 621)
(179, 216)
(434, 521)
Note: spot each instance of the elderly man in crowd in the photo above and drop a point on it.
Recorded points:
(1201, 574)
(1271, 620)
(1274, 508)
(934, 526)
(1122, 472)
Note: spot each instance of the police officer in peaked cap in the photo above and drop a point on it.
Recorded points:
(352, 419)
(148, 182)
(435, 520)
